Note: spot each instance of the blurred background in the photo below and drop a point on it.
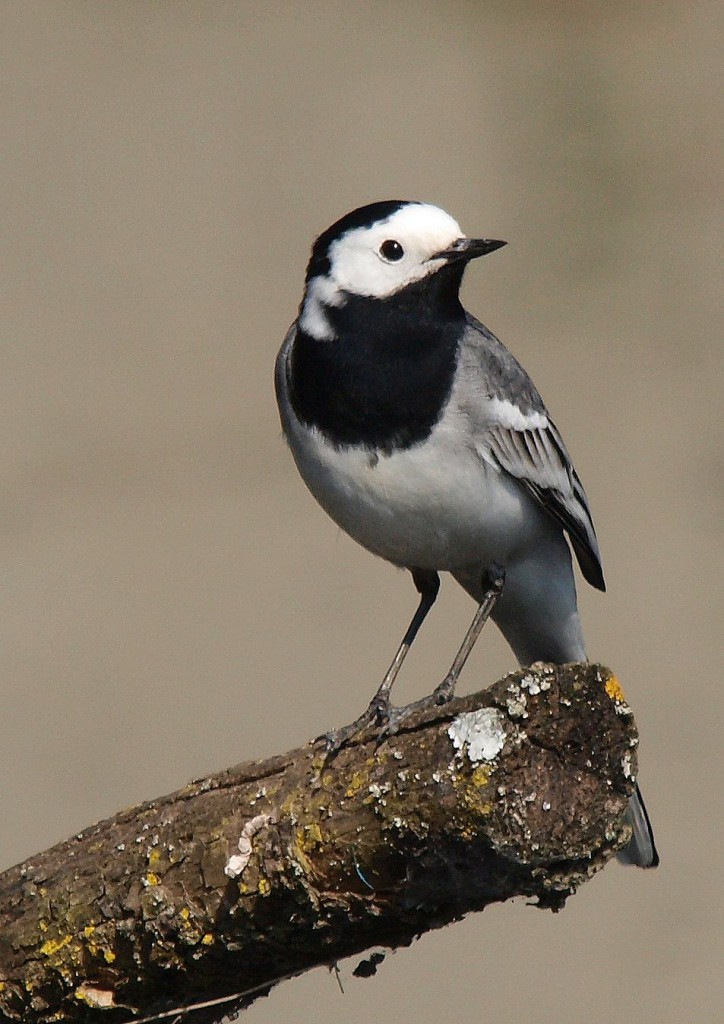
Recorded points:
(173, 601)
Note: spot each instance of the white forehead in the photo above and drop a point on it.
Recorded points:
(421, 229)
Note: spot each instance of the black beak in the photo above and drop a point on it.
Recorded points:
(469, 249)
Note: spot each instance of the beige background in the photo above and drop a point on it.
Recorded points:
(172, 599)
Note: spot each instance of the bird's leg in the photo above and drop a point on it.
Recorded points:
(428, 585)
(493, 580)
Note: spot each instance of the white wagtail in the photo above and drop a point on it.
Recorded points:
(426, 441)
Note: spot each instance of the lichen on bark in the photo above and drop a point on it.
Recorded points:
(267, 869)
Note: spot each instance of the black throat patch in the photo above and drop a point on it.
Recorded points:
(384, 381)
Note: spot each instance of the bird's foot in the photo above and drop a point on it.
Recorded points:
(441, 695)
(377, 713)
(386, 718)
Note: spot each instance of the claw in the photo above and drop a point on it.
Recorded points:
(376, 714)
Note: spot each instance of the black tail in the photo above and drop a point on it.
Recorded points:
(641, 848)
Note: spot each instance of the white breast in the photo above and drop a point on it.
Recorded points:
(436, 505)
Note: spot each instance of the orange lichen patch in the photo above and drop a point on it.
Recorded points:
(614, 691)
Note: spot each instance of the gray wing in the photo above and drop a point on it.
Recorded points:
(520, 437)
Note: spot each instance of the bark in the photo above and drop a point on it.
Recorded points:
(268, 869)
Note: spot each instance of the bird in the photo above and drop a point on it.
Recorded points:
(426, 441)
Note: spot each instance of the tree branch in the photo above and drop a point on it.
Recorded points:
(268, 869)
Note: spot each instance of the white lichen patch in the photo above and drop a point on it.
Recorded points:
(546, 667)
(627, 766)
(530, 685)
(482, 732)
(238, 861)
(517, 705)
(534, 684)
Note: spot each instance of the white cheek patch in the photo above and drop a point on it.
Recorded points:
(358, 268)
(421, 230)
(320, 295)
(361, 271)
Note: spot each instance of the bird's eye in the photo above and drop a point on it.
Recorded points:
(391, 251)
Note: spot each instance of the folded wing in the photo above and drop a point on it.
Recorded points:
(533, 452)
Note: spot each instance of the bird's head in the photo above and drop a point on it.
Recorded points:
(378, 251)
